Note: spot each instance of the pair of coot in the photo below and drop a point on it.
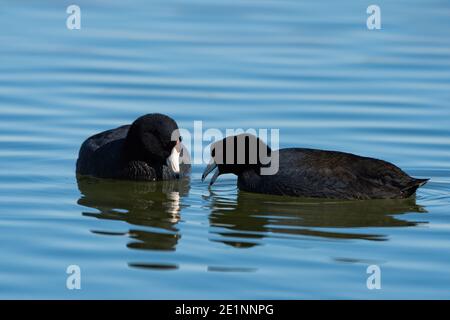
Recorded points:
(151, 149)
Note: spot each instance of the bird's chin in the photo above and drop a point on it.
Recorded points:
(168, 174)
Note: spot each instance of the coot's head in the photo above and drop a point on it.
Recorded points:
(155, 139)
(237, 154)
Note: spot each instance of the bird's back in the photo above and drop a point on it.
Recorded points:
(332, 174)
(100, 154)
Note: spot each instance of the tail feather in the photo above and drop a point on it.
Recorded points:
(411, 188)
(422, 182)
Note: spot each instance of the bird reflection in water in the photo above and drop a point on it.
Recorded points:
(154, 208)
(249, 218)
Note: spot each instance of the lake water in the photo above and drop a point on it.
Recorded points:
(311, 69)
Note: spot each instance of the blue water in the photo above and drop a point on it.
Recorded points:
(310, 69)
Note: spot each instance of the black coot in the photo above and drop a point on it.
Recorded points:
(308, 172)
(148, 149)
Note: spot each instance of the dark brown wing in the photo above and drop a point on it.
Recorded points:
(332, 174)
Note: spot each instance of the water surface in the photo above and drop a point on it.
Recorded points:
(310, 69)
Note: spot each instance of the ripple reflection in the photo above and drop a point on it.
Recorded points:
(154, 207)
(244, 221)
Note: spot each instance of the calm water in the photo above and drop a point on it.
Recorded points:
(311, 69)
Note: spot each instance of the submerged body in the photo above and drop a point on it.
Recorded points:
(316, 173)
(119, 155)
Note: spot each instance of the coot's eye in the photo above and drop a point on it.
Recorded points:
(213, 153)
(180, 138)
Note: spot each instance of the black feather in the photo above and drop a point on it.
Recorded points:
(133, 152)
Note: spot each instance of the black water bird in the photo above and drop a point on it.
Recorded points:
(307, 173)
(149, 149)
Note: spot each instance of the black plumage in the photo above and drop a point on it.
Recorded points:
(315, 173)
(134, 152)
